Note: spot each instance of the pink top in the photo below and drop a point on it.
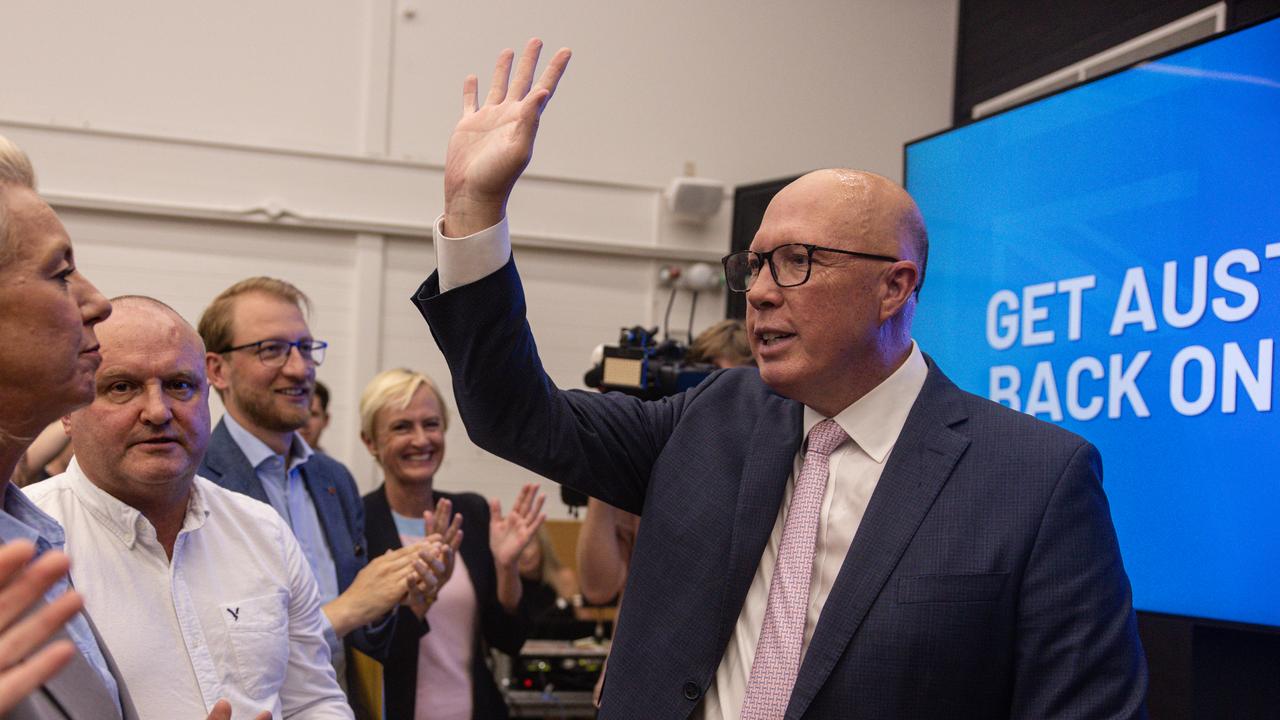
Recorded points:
(444, 654)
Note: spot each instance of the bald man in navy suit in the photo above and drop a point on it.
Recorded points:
(842, 533)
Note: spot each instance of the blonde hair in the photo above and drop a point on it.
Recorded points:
(215, 323)
(726, 339)
(395, 388)
(15, 169)
(15, 166)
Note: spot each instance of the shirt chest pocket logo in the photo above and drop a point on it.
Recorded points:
(258, 635)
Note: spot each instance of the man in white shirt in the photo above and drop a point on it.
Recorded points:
(200, 592)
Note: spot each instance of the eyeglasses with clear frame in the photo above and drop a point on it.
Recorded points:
(275, 353)
(790, 264)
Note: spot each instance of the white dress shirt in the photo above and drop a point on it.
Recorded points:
(235, 615)
(873, 424)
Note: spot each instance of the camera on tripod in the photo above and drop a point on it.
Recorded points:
(639, 365)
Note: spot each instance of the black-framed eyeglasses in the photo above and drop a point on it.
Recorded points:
(790, 264)
(275, 353)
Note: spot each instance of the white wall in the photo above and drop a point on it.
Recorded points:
(187, 146)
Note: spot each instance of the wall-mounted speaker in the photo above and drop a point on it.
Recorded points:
(693, 198)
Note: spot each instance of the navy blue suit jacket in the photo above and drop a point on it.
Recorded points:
(984, 581)
(338, 506)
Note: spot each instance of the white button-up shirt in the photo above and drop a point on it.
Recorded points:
(235, 615)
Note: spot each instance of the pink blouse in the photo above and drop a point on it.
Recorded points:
(444, 654)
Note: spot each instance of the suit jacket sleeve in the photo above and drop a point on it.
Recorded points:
(1076, 655)
(373, 639)
(603, 445)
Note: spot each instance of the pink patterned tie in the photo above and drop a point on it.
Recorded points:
(777, 660)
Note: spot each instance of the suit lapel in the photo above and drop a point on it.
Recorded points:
(380, 528)
(333, 522)
(922, 460)
(225, 460)
(770, 457)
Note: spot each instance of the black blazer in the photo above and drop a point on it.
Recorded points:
(496, 628)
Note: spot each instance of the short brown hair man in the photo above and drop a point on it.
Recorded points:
(261, 359)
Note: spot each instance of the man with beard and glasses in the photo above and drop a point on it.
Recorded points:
(262, 359)
(179, 573)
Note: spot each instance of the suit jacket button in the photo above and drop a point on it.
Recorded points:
(692, 691)
(359, 550)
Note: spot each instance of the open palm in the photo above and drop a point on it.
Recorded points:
(509, 534)
(493, 142)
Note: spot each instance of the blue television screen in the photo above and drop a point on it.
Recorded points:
(1108, 259)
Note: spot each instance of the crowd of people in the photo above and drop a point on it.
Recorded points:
(826, 527)
(237, 557)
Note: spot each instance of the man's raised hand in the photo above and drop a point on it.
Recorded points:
(493, 141)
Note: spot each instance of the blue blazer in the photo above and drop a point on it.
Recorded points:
(984, 581)
(338, 506)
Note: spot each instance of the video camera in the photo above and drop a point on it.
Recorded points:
(640, 366)
(644, 368)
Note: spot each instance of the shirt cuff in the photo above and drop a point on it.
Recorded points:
(381, 624)
(331, 637)
(461, 261)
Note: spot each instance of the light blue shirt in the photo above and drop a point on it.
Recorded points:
(20, 519)
(405, 525)
(282, 480)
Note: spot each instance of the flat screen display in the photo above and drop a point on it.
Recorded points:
(1108, 259)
